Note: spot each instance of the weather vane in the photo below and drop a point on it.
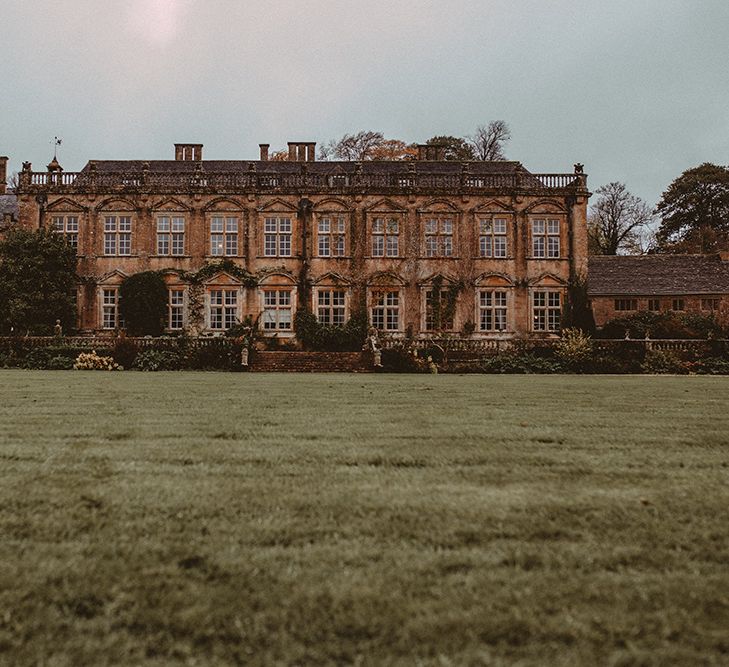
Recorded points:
(56, 143)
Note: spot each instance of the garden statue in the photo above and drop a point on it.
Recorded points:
(372, 344)
(58, 329)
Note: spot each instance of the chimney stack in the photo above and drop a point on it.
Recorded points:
(3, 174)
(188, 152)
(302, 151)
(264, 151)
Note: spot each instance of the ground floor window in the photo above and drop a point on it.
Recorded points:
(175, 309)
(277, 310)
(385, 312)
(223, 309)
(110, 315)
(547, 311)
(439, 316)
(492, 310)
(331, 307)
(626, 304)
(710, 304)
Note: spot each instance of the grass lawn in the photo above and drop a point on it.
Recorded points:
(223, 518)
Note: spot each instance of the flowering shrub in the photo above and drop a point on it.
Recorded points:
(574, 348)
(158, 360)
(660, 362)
(90, 361)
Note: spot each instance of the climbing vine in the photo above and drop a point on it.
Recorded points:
(444, 306)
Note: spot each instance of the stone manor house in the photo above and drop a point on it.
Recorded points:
(261, 238)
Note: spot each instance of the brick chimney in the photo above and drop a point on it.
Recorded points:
(264, 151)
(302, 151)
(188, 152)
(3, 174)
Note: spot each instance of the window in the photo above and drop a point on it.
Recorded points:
(67, 226)
(386, 310)
(117, 235)
(678, 304)
(438, 237)
(223, 312)
(492, 239)
(330, 307)
(223, 236)
(441, 317)
(175, 309)
(277, 237)
(545, 238)
(331, 234)
(170, 235)
(547, 310)
(626, 304)
(385, 237)
(654, 304)
(492, 310)
(277, 310)
(710, 304)
(110, 316)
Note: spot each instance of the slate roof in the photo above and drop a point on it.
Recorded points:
(316, 167)
(657, 274)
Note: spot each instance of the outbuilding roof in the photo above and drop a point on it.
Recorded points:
(647, 275)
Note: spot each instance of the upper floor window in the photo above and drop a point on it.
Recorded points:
(223, 308)
(175, 309)
(385, 311)
(67, 226)
(277, 237)
(277, 304)
(438, 237)
(492, 310)
(331, 306)
(223, 236)
(492, 237)
(331, 236)
(170, 235)
(439, 311)
(545, 238)
(626, 304)
(117, 235)
(385, 237)
(547, 311)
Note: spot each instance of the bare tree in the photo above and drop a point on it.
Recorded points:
(619, 222)
(358, 146)
(488, 141)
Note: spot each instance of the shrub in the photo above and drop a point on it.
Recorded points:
(315, 336)
(217, 354)
(124, 352)
(50, 358)
(520, 363)
(404, 360)
(60, 363)
(660, 362)
(574, 349)
(710, 366)
(158, 360)
(668, 324)
(90, 361)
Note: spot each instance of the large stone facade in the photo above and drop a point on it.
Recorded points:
(501, 244)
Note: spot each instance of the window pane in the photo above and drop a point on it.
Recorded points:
(163, 224)
(216, 225)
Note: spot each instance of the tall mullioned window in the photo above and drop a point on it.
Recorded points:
(223, 309)
(331, 306)
(277, 237)
(492, 237)
(438, 237)
(492, 310)
(545, 238)
(331, 236)
(175, 309)
(547, 311)
(170, 235)
(110, 315)
(117, 235)
(67, 226)
(277, 304)
(385, 311)
(385, 237)
(223, 236)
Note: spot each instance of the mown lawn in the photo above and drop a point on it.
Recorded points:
(218, 518)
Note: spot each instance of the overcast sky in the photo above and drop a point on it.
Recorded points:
(638, 90)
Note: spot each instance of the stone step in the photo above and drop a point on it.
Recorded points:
(309, 362)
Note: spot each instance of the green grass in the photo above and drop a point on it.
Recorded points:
(213, 518)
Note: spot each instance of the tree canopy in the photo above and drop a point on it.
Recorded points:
(488, 141)
(37, 282)
(454, 148)
(618, 222)
(694, 211)
(143, 303)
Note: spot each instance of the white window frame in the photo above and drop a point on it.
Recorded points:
(438, 235)
(277, 236)
(175, 308)
(331, 235)
(117, 234)
(224, 235)
(385, 234)
(493, 241)
(330, 305)
(492, 305)
(110, 315)
(67, 225)
(171, 235)
(386, 307)
(546, 313)
(223, 307)
(546, 237)
(277, 308)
